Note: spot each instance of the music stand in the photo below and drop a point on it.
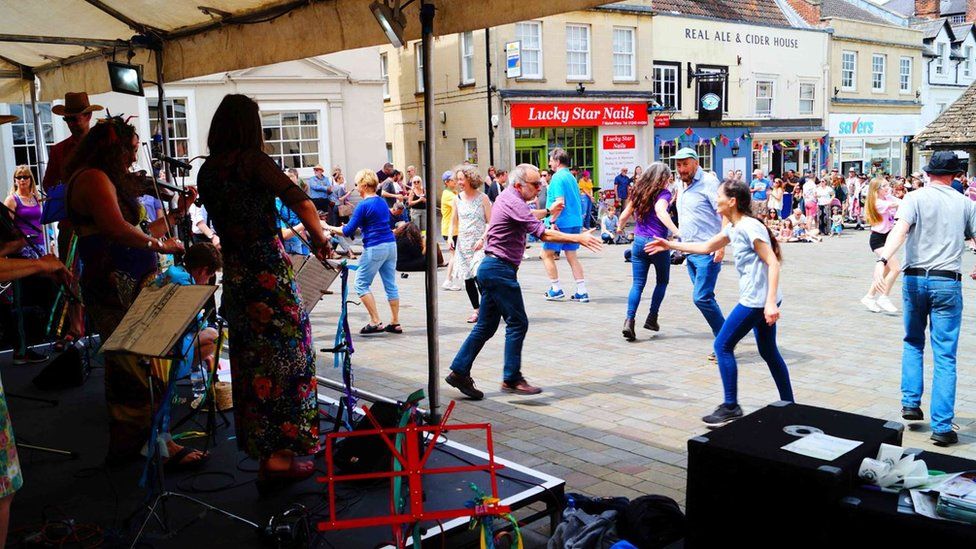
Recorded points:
(152, 327)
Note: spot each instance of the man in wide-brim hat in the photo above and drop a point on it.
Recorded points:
(77, 114)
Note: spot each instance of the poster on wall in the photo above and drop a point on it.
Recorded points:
(513, 59)
(617, 151)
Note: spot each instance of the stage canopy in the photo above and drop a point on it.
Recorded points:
(66, 43)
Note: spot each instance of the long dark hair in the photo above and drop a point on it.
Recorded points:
(108, 147)
(738, 190)
(236, 126)
(648, 187)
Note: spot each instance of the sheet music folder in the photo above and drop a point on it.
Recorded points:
(313, 278)
(157, 319)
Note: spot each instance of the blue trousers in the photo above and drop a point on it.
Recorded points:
(501, 297)
(737, 325)
(640, 264)
(937, 303)
(704, 272)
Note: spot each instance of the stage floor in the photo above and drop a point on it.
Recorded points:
(102, 501)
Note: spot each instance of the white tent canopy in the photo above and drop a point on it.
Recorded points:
(66, 43)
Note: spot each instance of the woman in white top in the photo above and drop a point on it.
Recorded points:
(880, 214)
(472, 210)
(757, 260)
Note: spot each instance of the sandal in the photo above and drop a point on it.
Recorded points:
(372, 329)
(176, 462)
(393, 329)
(269, 481)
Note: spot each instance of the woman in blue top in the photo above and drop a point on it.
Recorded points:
(372, 215)
(649, 200)
(757, 259)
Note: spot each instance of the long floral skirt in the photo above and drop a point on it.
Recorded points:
(271, 354)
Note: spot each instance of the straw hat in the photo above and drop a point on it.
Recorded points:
(74, 104)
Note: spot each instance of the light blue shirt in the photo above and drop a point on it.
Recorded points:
(753, 271)
(698, 218)
(563, 185)
(319, 187)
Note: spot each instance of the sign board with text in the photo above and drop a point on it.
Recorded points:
(617, 151)
(513, 59)
(662, 121)
(540, 115)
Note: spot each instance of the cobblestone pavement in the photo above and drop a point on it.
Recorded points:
(615, 416)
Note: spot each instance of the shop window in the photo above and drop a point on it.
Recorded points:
(467, 57)
(179, 139)
(529, 33)
(470, 150)
(666, 152)
(848, 70)
(807, 93)
(385, 74)
(291, 138)
(905, 75)
(764, 97)
(578, 52)
(878, 70)
(25, 151)
(624, 54)
(704, 151)
(578, 142)
(666, 85)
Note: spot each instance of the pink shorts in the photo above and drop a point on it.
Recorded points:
(811, 209)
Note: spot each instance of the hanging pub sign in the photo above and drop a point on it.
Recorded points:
(711, 102)
(541, 115)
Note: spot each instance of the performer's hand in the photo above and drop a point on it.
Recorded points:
(719, 256)
(172, 245)
(590, 241)
(52, 266)
(186, 200)
(323, 251)
(557, 208)
(479, 244)
(657, 245)
(771, 311)
(450, 243)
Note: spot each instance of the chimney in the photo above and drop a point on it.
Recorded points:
(809, 10)
(971, 11)
(929, 9)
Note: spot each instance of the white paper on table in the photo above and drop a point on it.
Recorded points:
(925, 503)
(822, 446)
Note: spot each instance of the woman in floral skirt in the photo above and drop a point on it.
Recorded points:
(271, 354)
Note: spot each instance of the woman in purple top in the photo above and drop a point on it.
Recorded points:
(649, 200)
(25, 202)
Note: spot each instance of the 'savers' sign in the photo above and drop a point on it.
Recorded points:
(528, 115)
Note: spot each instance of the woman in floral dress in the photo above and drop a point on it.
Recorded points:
(472, 210)
(271, 354)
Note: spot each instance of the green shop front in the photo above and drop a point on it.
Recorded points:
(600, 137)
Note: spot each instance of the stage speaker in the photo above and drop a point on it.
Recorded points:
(888, 519)
(368, 454)
(65, 371)
(745, 490)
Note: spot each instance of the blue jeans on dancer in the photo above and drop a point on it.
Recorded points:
(640, 264)
(939, 301)
(740, 321)
(703, 271)
(501, 297)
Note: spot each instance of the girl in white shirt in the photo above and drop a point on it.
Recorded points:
(757, 260)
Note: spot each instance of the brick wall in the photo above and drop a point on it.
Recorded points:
(971, 11)
(928, 9)
(809, 10)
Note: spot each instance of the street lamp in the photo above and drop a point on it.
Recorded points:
(735, 149)
(391, 19)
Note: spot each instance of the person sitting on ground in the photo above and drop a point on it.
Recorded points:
(785, 233)
(608, 226)
(412, 249)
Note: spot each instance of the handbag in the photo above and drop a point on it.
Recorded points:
(345, 210)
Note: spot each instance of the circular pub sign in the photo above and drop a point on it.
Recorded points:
(710, 101)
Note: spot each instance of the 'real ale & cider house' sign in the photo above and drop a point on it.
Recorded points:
(535, 115)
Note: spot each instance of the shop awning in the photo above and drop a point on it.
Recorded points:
(780, 134)
(67, 42)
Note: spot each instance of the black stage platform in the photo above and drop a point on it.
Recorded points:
(84, 491)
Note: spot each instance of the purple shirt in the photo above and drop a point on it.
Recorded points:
(651, 226)
(511, 220)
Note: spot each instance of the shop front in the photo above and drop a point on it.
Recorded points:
(599, 137)
(719, 149)
(871, 143)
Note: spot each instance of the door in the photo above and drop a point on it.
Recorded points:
(531, 155)
(734, 163)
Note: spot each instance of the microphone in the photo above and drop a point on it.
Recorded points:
(175, 162)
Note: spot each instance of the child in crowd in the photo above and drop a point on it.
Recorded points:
(772, 221)
(836, 222)
(785, 233)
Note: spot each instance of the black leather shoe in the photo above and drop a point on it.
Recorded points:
(945, 439)
(464, 384)
(628, 330)
(912, 413)
(651, 322)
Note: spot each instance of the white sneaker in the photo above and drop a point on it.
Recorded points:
(871, 304)
(886, 304)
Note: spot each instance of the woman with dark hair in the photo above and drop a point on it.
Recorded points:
(649, 200)
(118, 257)
(757, 259)
(271, 354)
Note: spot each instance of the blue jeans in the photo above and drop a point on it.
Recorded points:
(501, 297)
(737, 325)
(936, 302)
(704, 272)
(380, 258)
(587, 205)
(640, 263)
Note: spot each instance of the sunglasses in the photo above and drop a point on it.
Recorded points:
(22, 177)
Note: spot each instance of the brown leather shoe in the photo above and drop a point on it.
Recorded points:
(465, 384)
(520, 387)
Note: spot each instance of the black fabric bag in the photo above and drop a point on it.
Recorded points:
(66, 370)
(652, 522)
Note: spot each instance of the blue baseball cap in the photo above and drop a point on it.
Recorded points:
(686, 152)
(447, 175)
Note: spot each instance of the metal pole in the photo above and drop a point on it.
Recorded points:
(433, 349)
(491, 127)
(161, 113)
(40, 147)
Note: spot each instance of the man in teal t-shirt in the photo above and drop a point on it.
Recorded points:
(563, 189)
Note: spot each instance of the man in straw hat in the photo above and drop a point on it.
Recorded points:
(77, 114)
(931, 223)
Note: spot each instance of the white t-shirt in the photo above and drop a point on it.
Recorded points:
(753, 271)
(824, 196)
(809, 192)
(197, 214)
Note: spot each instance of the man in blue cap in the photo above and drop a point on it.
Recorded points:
(931, 222)
(699, 221)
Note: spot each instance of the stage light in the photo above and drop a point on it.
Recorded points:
(391, 19)
(125, 78)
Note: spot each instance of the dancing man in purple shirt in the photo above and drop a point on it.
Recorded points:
(501, 295)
